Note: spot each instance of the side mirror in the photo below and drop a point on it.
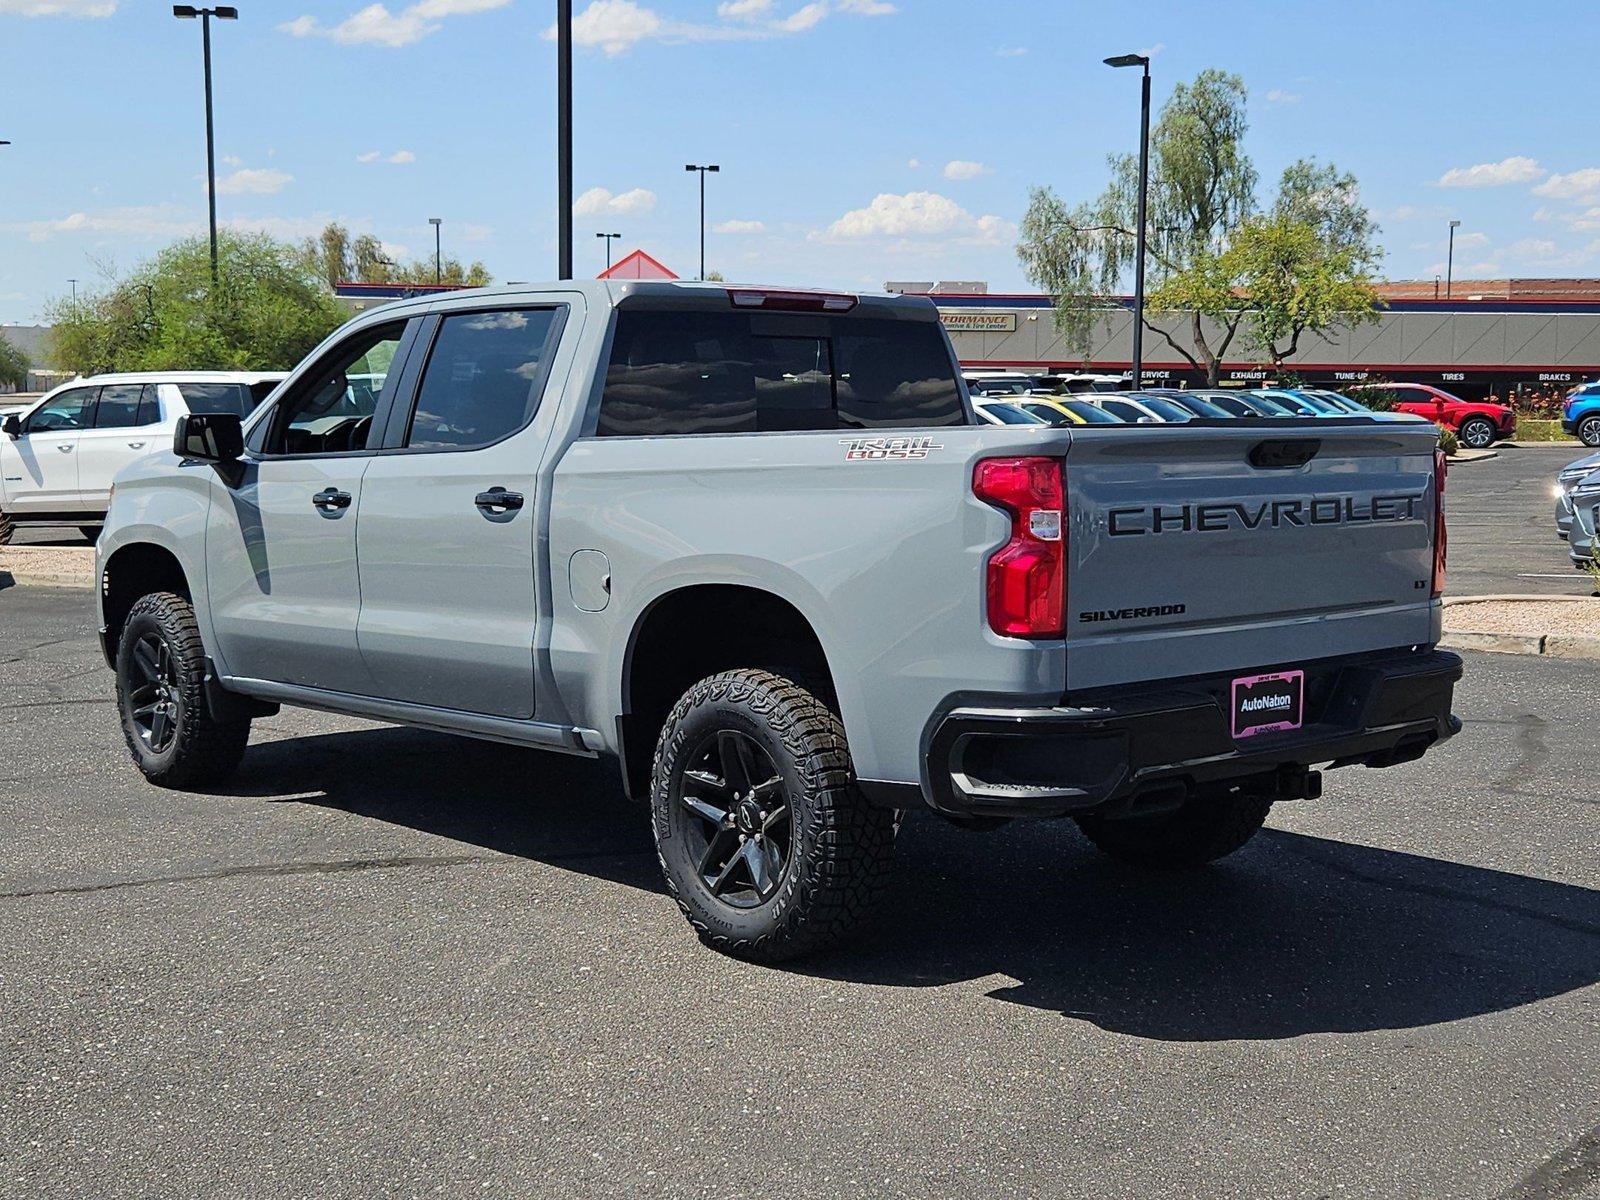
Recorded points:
(210, 437)
(11, 426)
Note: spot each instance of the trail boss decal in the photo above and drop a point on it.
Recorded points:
(1268, 514)
(888, 449)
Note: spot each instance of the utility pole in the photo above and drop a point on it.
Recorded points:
(703, 170)
(609, 237)
(564, 134)
(222, 13)
(438, 259)
(1139, 60)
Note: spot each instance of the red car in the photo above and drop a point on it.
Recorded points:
(1476, 424)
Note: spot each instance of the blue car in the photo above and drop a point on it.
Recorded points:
(1581, 414)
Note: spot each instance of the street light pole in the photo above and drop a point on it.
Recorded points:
(222, 13)
(564, 136)
(1139, 60)
(438, 260)
(74, 284)
(702, 170)
(609, 238)
(1450, 260)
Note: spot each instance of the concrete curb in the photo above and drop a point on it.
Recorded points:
(10, 577)
(1551, 645)
(1461, 457)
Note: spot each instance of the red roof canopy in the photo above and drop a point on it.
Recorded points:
(638, 265)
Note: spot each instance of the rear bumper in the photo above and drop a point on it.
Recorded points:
(1121, 746)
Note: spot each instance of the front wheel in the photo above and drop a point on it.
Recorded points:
(1206, 827)
(1477, 433)
(1589, 430)
(766, 842)
(174, 738)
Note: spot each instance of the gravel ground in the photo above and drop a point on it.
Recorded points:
(59, 562)
(1524, 616)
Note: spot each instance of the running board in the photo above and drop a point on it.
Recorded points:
(539, 734)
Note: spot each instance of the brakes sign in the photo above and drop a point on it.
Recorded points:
(1263, 703)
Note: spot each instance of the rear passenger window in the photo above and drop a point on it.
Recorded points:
(483, 378)
(119, 406)
(703, 371)
(216, 398)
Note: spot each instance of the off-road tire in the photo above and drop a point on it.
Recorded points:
(1588, 434)
(203, 751)
(1472, 433)
(1207, 827)
(840, 846)
(7, 528)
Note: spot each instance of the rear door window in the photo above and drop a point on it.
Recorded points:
(119, 406)
(698, 371)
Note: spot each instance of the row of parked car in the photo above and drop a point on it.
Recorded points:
(1002, 404)
(1478, 424)
(1578, 508)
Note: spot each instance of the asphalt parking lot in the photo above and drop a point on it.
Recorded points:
(1503, 526)
(389, 962)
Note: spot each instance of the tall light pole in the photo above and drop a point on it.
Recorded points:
(438, 258)
(1450, 260)
(564, 136)
(74, 284)
(609, 237)
(221, 13)
(702, 170)
(1139, 60)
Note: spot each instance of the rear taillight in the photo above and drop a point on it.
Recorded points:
(1027, 577)
(1441, 467)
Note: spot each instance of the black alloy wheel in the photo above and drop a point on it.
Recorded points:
(739, 828)
(154, 692)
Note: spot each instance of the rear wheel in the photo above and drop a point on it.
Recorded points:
(1477, 432)
(766, 843)
(167, 722)
(1588, 433)
(1208, 826)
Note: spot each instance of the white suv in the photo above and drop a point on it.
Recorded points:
(58, 457)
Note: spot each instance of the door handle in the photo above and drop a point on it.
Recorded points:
(497, 500)
(331, 500)
(135, 445)
(64, 447)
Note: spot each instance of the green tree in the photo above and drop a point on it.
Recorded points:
(1202, 198)
(339, 258)
(14, 365)
(270, 307)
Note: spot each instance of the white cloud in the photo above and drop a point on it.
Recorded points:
(918, 215)
(232, 160)
(739, 227)
(1152, 51)
(1279, 96)
(803, 18)
(1516, 169)
(148, 220)
(961, 168)
(402, 156)
(375, 25)
(1588, 219)
(369, 156)
(913, 163)
(58, 8)
(254, 181)
(399, 157)
(1582, 186)
(616, 26)
(475, 233)
(599, 201)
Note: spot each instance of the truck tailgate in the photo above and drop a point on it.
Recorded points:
(1196, 549)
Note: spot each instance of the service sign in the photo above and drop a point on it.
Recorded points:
(979, 322)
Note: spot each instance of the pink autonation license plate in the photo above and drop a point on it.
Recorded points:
(1263, 703)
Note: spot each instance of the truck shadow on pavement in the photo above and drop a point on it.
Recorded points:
(1293, 935)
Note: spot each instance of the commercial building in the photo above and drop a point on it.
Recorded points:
(1500, 337)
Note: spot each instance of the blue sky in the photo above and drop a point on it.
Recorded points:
(860, 140)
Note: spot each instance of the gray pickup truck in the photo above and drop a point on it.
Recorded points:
(752, 546)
